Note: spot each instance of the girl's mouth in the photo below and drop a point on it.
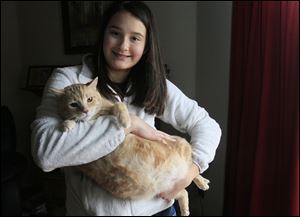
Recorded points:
(119, 55)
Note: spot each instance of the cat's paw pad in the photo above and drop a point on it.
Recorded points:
(68, 125)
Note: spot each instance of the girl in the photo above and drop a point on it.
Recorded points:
(130, 69)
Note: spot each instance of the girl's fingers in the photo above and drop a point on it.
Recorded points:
(163, 141)
(165, 136)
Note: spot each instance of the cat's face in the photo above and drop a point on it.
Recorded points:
(79, 102)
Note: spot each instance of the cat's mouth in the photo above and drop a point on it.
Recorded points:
(84, 117)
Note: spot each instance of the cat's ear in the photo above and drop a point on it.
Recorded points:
(93, 83)
(56, 92)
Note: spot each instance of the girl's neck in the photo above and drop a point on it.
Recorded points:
(118, 76)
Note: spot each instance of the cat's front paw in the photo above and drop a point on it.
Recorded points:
(68, 125)
(122, 115)
(125, 120)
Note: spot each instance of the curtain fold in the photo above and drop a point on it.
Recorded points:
(262, 169)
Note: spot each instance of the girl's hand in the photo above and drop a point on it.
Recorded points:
(181, 184)
(142, 129)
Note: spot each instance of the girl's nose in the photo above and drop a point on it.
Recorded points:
(124, 45)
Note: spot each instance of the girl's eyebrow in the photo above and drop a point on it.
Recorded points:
(114, 27)
(118, 28)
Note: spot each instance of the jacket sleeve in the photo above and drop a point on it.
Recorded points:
(185, 115)
(86, 142)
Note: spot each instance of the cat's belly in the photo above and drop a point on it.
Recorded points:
(142, 181)
(139, 168)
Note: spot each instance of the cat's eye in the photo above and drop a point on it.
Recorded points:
(90, 99)
(74, 104)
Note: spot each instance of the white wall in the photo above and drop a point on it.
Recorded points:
(177, 30)
(42, 34)
(12, 72)
(31, 34)
(212, 88)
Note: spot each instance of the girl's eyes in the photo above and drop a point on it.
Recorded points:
(118, 34)
(114, 33)
(135, 39)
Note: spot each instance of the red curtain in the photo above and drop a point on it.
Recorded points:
(262, 166)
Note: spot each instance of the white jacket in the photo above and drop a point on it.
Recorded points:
(87, 142)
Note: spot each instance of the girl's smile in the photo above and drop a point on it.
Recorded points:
(120, 55)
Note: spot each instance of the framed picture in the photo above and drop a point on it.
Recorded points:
(38, 75)
(81, 23)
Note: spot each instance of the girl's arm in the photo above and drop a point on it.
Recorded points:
(185, 115)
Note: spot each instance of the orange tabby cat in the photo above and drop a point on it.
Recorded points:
(137, 168)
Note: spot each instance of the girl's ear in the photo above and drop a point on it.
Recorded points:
(56, 92)
(93, 83)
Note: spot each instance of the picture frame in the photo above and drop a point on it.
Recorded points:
(37, 76)
(81, 24)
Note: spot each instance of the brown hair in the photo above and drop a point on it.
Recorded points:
(147, 77)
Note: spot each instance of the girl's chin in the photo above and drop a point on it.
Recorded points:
(120, 68)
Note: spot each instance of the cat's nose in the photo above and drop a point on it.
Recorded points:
(85, 110)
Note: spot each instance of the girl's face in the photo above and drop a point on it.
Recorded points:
(123, 45)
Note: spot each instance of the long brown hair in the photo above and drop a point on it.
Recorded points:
(147, 78)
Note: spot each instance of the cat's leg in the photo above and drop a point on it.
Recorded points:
(183, 202)
(201, 182)
(67, 125)
(121, 112)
